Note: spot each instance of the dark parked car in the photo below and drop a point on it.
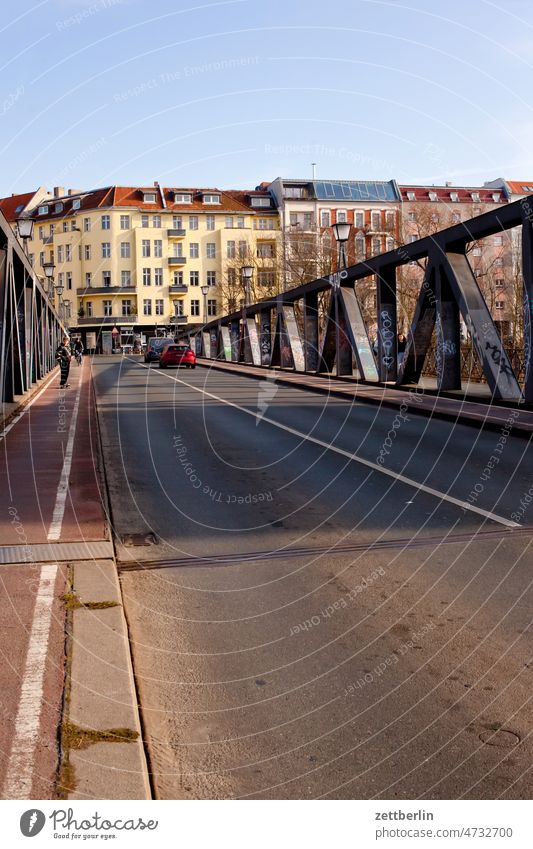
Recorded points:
(177, 355)
(155, 347)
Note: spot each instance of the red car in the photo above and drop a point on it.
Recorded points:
(177, 355)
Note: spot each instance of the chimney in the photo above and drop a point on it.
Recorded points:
(59, 191)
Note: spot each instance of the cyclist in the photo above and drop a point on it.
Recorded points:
(78, 350)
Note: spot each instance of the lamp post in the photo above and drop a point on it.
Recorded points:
(247, 272)
(49, 268)
(25, 231)
(205, 290)
(341, 231)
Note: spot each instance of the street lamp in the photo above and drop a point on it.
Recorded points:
(341, 231)
(205, 290)
(247, 272)
(49, 268)
(25, 230)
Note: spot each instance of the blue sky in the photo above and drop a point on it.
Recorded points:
(234, 92)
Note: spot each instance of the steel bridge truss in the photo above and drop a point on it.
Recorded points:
(268, 333)
(31, 329)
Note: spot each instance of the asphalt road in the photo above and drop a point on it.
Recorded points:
(337, 602)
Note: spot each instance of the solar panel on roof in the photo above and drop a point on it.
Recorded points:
(357, 191)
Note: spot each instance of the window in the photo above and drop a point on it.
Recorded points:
(76, 203)
(146, 247)
(411, 196)
(476, 251)
(87, 251)
(41, 232)
(390, 219)
(376, 221)
(125, 250)
(195, 307)
(500, 283)
(211, 278)
(125, 278)
(42, 210)
(325, 218)
(106, 278)
(498, 241)
(149, 197)
(68, 253)
(177, 278)
(240, 222)
(194, 250)
(475, 196)
(454, 197)
(500, 305)
(147, 276)
(58, 207)
(211, 198)
(432, 196)
(158, 247)
(177, 222)
(360, 247)
(496, 197)
(390, 244)
(193, 222)
(105, 222)
(412, 216)
(295, 191)
(41, 258)
(178, 307)
(412, 238)
(359, 219)
(265, 223)
(106, 250)
(159, 306)
(232, 276)
(435, 218)
(145, 221)
(376, 245)
(158, 276)
(230, 250)
(456, 217)
(88, 279)
(211, 250)
(182, 197)
(69, 279)
(211, 306)
(177, 249)
(73, 224)
(243, 250)
(108, 307)
(156, 221)
(52, 229)
(477, 210)
(265, 250)
(89, 309)
(498, 262)
(229, 221)
(65, 226)
(341, 218)
(60, 253)
(194, 278)
(126, 307)
(87, 225)
(124, 222)
(61, 278)
(147, 306)
(210, 222)
(266, 278)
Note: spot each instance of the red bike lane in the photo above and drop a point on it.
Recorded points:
(49, 493)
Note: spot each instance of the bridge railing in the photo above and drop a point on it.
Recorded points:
(286, 331)
(30, 328)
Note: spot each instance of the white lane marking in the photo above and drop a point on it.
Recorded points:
(54, 531)
(18, 417)
(443, 496)
(18, 781)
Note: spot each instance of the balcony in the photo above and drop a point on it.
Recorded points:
(178, 289)
(108, 319)
(179, 319)
(175, 234)
(106, 290)
(48, 240)
(177, 260)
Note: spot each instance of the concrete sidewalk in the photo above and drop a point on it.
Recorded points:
(423, 399)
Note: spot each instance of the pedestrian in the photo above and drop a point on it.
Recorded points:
(402, 344)
(63, 356)
(78, 350)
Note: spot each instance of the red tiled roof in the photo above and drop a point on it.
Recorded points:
(516, 187)
(10, 206)
(464, 193)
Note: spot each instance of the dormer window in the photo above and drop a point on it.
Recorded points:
(527, 188)
(42, 210)
(182, 197)
(411, 196)
(258, 201)
(454, 197)
(432, 196)
(76, 203)
(475, 197)
(496, 197)
(58, 207)
(209, 198)
(149, 197)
